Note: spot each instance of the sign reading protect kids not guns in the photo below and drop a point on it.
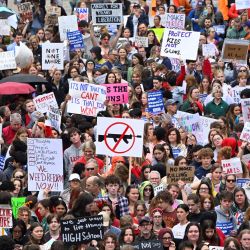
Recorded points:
(122, 137)
(45, 164)
(86, 99)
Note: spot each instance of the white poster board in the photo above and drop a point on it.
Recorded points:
(175, 44)
(209, 50)
(123, 137)
(245, 106)
(86, 99)
(235, 93)
(173, 21)
(43, 102)
(242, 4)
(52, 56)
(54, 118)
(141, 41)
(245, 134)
(45, 164)
(7, 60)
(4, 27)
(67, 24)
(232, 166)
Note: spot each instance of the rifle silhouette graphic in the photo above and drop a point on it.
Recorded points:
(117, 136)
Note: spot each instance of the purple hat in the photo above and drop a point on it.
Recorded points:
(247, 23)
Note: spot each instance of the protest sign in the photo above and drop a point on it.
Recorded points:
(123, 137)
(106, 13)
(219, 29)
(4, 27)
(173, 21)
(67, 24)
(235, 93)
(232, 166)
(82, 14)
(25, 11)
(176, 66)
(7, 60)
(16, 203)
(155, 102)
(100, 79)
(5, 216)
(42, 102)
(215, 248)
(242, 182)
(242, 4)
(54, 118)
(45, 164)
(246, 158)
(175, 42)
(245, 106)
(86, 99)
(245, 134)
(148, 245)
(234, 49)
(82, 230)
(158, 32)
(75, 40)
(209, 50)
(117, 93)
(52, 14)
(176, 173)
(141, 41)
(52, 55)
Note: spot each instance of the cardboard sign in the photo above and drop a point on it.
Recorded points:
(86, 99)
(173, 21)
(117, 93)
(123, 137)
(52, 14)
(245, 106)
(4, 27)
(234, 49)
(148, 245)
(82, 230)
(155, 102)
(75, 40)
(5, 216)
(45, 164)
(209, 50)
(7, 60)
(43, 102)
(106, 13)
(232, 166)
(245, 134)
(82, 14)
(241, 182)
(175, 173)
(52, 55)
(242, 4)
(141, 41)
(67, 24)
(25, 10)
(54, 118)
(16, 203)
(175, 42)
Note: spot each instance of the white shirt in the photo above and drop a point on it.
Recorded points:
(179, 231)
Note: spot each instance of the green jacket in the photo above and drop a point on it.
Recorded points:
(216, 109)
(236, 34)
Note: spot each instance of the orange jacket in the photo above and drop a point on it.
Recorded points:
(222, 5)
(184, 3)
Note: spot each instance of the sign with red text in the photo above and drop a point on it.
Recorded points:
(232, 166)
(86, 99)
(43, 102)
(245, 134)
(123, 137)
(45, 164)
(5, 216)
(117, 93)
(245, 106)
(82, 14)
(25, 11)
(173, 20)
(174, 44)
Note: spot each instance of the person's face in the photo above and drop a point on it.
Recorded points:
(135, 60)
(91, 169)
(207, 23)
(37, 233)
(23, 137)
(111, 78)
(154, 179)
(193, 207)
(112, 188)
(182, 163)
(218, 94)
(142, 28)
(128, 236)
(216, 175)
(181, 214)
(142, 51)
(40, 34)
(191, 140)
(17, 233)
(172, 108)
(18, 39)
(60, 210)
(156, 21)
(172, 137)
(42, 210)
(24, 216)
(232, 245)
(75, 138)
(230, 181)
(88, 153)
(207, 204)
(140, 211)
(195, 94)
(151, 37)
(48, 35)
(217, 140)
(205, 83)
(144, 99)
(202, 40)
(212, 32)
(193, 233)
(17, 185)
(145, 228)
(157, 218)
(90, 186)
(157, 84)
(240, 198)
(126, 33)
(30, 107)
(57, 76)
(148, 191)
(166, 239)
(146, 173)
(171, 9)
(138, 89)
(133, 195)
(212, 134)
(243, 81)
(191, 66)
(158, 154)
(106, 209)
(109, 244)
(204, 189)
(174, 191)
(245, 241)
(75, 184)
(73, 73)
(220, 77)
(105, 41)
(136, 79)
(122, 53)
(161, 11)
(226, 204)
(54, 225)
(237, 111)
(206, 161)
(237, 25)
(150, 130)
(209, 232)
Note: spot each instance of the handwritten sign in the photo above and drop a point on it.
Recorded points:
(232, 166)
(100, 79)
(242, 182)
(82, 230)
(52, 55)
(86, 99)
(82, 14)
(45, 164)
(173, 21)
(54, 118)
(52, 14)
(25, 10)
(209, 50)
(117, 93)
(155, 102)
(215, 248)
(106, 13)
(42, 102)
(141, 41)
(75, 40)
(234, 49)
(235, 93)
(242, 4)
(16, 203)
(7, 60)
(148, 245)
(245, 134)
(5, 216)
(220, 29)
(67, 24)
(176, 66)
(4, 27)
(175, 42)
(245, 106)
(176, 173)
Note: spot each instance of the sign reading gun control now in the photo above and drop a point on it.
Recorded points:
(123, 137)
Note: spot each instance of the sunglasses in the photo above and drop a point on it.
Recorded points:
(19, 177)
(243, 70)
(148, 189)
(231, 181)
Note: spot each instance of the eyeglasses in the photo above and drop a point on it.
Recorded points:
(231, 180)
(167, 238)
(148, 189)
(157, 216)
(242, 70)
(90, 169)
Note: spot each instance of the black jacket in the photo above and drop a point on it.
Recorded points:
(142, 19)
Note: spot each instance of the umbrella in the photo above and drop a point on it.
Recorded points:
(12, 88)
(6, 12)
(24, 78)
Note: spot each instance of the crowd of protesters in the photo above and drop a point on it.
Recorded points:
(211, 211)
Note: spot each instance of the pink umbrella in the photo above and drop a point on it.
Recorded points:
(12, 88)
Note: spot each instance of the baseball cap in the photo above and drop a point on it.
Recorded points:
(181, 8)
(170, 102)
(74, 177)
(247, 23)
(144, 219)
(136, 5)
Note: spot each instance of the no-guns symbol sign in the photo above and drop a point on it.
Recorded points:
(119, 137)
